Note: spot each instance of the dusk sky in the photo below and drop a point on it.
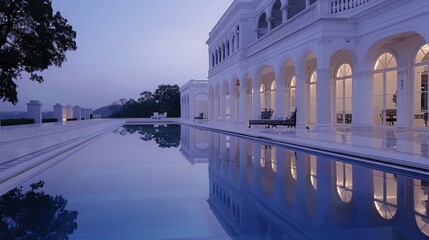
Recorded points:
(124, 48)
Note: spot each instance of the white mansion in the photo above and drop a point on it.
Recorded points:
(338, 62)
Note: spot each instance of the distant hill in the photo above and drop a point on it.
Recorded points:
(18, 115)
(13, 115)
(103, 111)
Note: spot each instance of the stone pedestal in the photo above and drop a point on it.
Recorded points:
(68, 112)
(59, 112)
(34, 111)
(77, 112)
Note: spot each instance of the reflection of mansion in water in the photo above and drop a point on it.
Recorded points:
(194, 144)
(353, 62)
(256, 189)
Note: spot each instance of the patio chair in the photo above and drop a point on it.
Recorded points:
(155, 115)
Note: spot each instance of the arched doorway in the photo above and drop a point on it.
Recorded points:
(343, 94)
(385, 90)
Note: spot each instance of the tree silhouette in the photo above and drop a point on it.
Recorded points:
(165, 137)
(32, 38)
(35, 215)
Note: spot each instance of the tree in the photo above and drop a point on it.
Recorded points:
(32, 38)
(168, 96)
(35, 215)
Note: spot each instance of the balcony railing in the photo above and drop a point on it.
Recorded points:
(338, 6)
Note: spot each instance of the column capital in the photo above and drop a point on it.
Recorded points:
(269, 19)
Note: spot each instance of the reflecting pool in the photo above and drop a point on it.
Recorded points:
(179, 182)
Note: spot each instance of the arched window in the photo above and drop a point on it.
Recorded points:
(233, 44)
(273, 95)
(313, 97)
(420, 86)
(276, 14)
(344, 181)
(262, 25)
(223, 51)
(292, 93)
(262, 93)
(384, 89)
(385, 193)
(213, 60)
(343, 94)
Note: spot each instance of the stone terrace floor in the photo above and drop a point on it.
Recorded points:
(27, 150)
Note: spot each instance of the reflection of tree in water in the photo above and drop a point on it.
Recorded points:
(165, 136)
(35, 215)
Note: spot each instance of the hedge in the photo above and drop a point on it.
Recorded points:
(48, 120)
(9, 122)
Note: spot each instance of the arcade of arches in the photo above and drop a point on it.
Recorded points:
(386, 87)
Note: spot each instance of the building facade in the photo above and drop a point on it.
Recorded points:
(360, 63)
(194, 99)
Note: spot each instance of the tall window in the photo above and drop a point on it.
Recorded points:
(262, 94)
(385, 193)
(343, 94)
(384, 90)
(292, 93)
(273, 95)
(313, 97)
(420, 87)
(276, 14)
(262, 25)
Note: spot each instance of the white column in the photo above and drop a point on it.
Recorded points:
(280, 95)
(232, 97)
(362, 111)
(401, 100)
(58, 112)
(285, 11)
(216, 109)
(77, 113)
(323, 94)
(301, 101)
(243, 103)
(307, 3)
(269, 21)
(191, 107)
(34, 111)
(223, 106)
(256, 99)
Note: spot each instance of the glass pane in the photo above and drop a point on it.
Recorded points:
(390, 61)
(349, 87)
(391, 82)
(378, 84)
(378, 107)
(339, 105)
(348, 105)
(391, 189)
(339, 89)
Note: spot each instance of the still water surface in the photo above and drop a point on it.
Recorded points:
(178, 182)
